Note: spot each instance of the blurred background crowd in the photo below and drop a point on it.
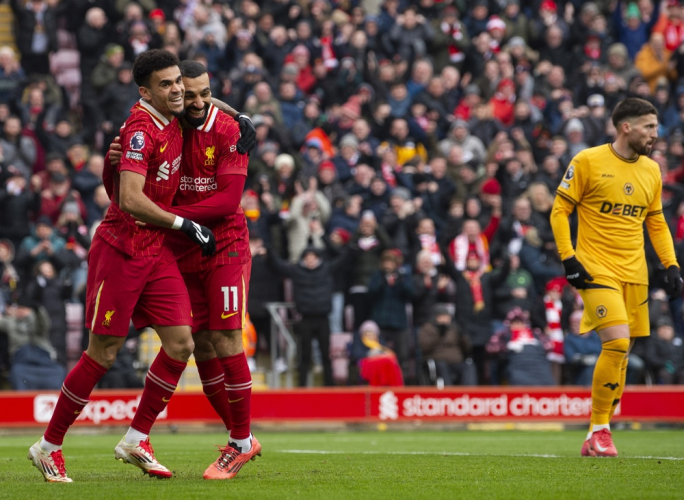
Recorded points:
(407, 159)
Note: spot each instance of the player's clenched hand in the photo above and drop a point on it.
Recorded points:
(201, 235)
(115, 152)
(673, 282)
(247, 139)
(575, 273)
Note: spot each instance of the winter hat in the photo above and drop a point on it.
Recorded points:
(402, 193)
(491, 186)
(349, 140)
(556, 284)
(327, 165)
(495, 23)
(282, 160)
(344, 235)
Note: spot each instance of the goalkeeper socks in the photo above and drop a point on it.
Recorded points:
(160, 384)
(76, 389)
(620, 390)
(607, 380)
(239, 387)
(213, 384)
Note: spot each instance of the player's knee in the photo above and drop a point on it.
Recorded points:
(103, 356)
(204, 349)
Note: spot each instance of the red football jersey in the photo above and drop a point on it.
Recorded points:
(208, 152)
(152, 146)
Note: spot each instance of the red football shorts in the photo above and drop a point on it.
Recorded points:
(148, 290)
(219, 296)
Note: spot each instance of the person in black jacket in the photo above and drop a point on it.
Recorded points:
(50, 291)
(312, 280)
(36, 34)
(263, 288)
(665, 353)
(18, 201)
(389, 290)
(475, 304)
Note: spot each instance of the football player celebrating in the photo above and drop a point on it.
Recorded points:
(213, 174)
(132, 273)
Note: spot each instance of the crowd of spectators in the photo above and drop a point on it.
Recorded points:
(407, 158)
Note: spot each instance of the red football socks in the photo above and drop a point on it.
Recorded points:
(160, 384)
(74, 396)
(239, 387)
(213, 384)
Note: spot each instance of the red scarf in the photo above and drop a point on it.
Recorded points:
(454, 31)
(473, 278)
(554, 309)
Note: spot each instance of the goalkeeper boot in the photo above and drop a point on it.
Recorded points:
(51, 465)
(601, 444)
(586, 449)
(142, 456)
(231, 461)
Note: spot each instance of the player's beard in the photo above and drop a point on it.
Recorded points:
(194, 121)
(642, 149)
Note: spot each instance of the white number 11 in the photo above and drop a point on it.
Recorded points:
(227, 292)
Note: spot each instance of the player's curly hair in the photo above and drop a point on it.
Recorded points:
(632, 107)
(149, 62)
(192, 69)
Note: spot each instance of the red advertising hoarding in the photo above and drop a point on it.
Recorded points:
(364, 404)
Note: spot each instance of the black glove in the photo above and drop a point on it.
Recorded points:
(575, 273)
(673, 282)
(200, 235)
(247, 139)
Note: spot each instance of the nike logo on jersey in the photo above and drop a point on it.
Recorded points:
(198, 229)
(226, 316)
(235, 400)
(163, 148)
(166, 400)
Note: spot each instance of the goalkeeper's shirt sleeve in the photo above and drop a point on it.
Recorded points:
(560, 224)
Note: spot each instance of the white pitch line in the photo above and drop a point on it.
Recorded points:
(450, 454)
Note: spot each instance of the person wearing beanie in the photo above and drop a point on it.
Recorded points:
(377, 363)
(441, 341)
(107, 68)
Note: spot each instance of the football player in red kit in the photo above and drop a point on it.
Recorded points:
(213, 176)
(132, 273)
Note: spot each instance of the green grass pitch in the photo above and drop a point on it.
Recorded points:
(363, 465)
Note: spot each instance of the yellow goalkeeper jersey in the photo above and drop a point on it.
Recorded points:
(613, 197)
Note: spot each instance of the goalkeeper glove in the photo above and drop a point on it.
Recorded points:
(673, 282)
(575, 273)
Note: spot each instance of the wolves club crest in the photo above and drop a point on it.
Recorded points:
(137, 141)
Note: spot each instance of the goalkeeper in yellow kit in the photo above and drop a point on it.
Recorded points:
(615, 188)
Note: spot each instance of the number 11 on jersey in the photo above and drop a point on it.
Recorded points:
(228, 292)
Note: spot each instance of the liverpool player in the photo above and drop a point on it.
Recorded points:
(132, 274)
(615, 188)
(213, 176)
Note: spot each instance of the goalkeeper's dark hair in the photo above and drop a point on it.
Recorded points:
(149, 62)
(192, 69)
(632, 107)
